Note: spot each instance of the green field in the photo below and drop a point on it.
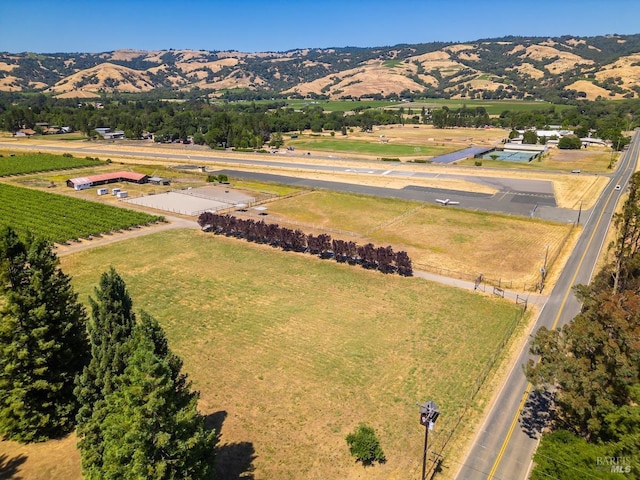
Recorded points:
(338, 105)
(293, 351)
(41, 162)
(60, 218)
(493, 107)
(368, 148)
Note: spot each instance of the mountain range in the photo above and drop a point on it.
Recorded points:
(553, 69)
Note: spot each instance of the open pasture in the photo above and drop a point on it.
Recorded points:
(493, 107)
(406, 141)
(450, 240)
(291, 352)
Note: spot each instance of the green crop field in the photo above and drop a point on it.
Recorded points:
(368, 148)
(41, 162)
(293, 351)
(60, 218)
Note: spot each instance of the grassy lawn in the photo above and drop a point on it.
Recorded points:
(292, 352)
(368, 147)
(454, 240)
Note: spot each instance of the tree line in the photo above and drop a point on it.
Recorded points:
(368, 256)
(252, 124)
(590, 368)
(111, 376)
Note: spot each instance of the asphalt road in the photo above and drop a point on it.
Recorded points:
(510, 433)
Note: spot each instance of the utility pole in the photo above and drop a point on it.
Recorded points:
(579, 212)
(428, 415)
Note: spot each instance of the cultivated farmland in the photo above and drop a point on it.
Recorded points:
(41, 162)
(60, 218)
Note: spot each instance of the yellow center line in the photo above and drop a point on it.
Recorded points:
(555, 323)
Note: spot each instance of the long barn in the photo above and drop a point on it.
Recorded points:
(82, 183)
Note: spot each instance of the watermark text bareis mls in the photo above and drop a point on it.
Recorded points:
(615, 464)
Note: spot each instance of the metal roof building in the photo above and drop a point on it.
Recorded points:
(81, 183)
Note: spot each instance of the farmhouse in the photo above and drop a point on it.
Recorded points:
(82, 183)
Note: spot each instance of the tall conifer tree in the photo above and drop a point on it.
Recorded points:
(152, 428)
(43, 341)
(110, 327)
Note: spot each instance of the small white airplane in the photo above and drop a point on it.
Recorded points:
(447, 202)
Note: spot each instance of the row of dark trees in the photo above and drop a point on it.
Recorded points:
(112, 375)
(592, 366)
(368, 256)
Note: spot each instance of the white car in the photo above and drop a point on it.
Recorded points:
(618, 187)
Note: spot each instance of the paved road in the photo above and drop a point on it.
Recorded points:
(510, 433)
(531, 198)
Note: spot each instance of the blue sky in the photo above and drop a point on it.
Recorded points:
(279, 25)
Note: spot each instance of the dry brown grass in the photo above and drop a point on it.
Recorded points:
(292, 352)
(55, 459)
(427, 134)
(454, 240)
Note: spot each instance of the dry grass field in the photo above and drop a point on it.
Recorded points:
(291, 352)
(451, 241)
(288, 366)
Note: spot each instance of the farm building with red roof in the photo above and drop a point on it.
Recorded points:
(82, 183)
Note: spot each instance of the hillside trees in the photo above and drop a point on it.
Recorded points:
(43, 342)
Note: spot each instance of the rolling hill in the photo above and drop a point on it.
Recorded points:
(509, 67)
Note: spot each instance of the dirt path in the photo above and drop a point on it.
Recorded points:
(171, 223)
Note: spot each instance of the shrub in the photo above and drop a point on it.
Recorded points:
(365, 446)
(478, 163)
(67, 155)
(385, 159)
(570, 142)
